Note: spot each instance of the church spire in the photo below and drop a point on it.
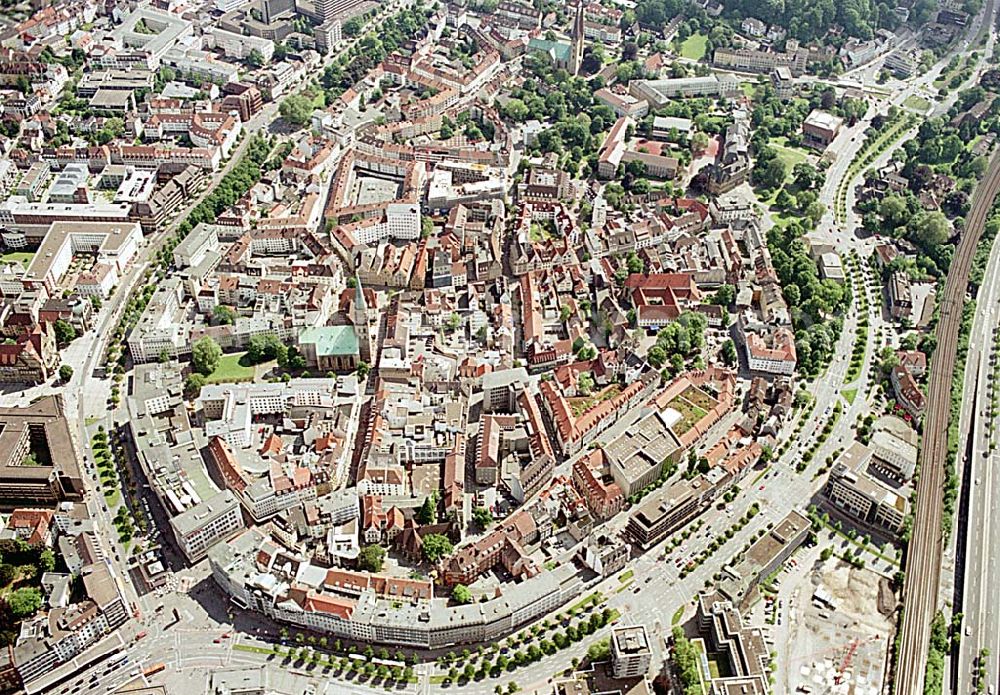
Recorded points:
(359, 297)
(576, 57)
(359, 317)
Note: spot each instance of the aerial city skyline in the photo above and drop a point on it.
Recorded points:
(497, 346)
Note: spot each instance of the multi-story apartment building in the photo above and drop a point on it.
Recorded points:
(592, 479)
(376, 608)
(32, 358)
(55, 637)
(604, 554)
(750, 60)
(32, 184)
(265, 496)
(768, 351)
(630, 651)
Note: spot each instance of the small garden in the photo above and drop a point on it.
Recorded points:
(693, 404)
(21, 569)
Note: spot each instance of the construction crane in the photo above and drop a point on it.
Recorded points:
(845, 663)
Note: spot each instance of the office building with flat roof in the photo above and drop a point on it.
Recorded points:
(740, 582)
(666, 511)
(637, 455)
(742, 647)
(113, 246)
(38, 460)
(659, 92)
(869, 499)
(205, 524)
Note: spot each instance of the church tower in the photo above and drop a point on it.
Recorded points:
(576, 55)
(359, 317)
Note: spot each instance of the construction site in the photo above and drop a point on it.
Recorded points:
(832, 627)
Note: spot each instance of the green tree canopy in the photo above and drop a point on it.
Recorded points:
(65, 333)
(224, 315)
(435, 547)
(296, 109)
(24, 602)
(205, 356)
(371, 558)
(427, 513)
(255, 59)
(482, 516)
(263, 348)
(193, 384)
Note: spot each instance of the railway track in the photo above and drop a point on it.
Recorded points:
(923, 566)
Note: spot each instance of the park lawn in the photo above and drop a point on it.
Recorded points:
(231, 369)
(916, 103)
(626, 575)
(694, 47)
(790, 156)
(782, 219)
(22, 257)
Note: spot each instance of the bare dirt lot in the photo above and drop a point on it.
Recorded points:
(835, 638)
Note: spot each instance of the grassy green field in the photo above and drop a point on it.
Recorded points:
(916, 103)
(694, 47)
(230, 369)
(850, 395)
(23, 257)
(790, 156)
(585, 600)
(946, 76)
